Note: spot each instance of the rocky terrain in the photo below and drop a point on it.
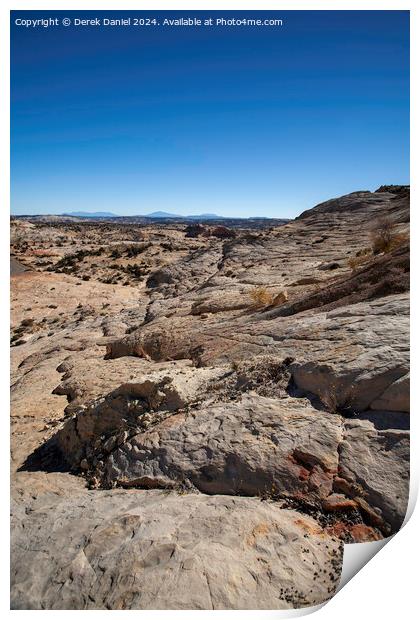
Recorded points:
(202, 416)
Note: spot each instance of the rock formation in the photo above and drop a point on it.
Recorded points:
(201, 421)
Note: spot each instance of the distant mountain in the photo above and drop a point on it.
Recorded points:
(202, 216)
(163, 214)
(206, 216)
(91, 214)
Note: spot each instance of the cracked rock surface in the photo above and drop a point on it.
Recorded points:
(120, 550)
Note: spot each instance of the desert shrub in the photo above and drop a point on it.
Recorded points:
(194, 230)
(385, 237)
(261, 296)
(66, 261)
(135, 270)
(357, 261)
(362, 256)
(134, 250)
(69, 270)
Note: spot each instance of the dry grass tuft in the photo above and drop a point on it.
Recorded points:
(358, 261)
(262, 297)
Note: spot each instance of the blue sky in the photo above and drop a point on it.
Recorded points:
(236, 121)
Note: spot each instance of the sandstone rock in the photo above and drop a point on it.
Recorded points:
(353, 375)
(189, 273)
(396, 396)
(350, 203)
(114, 327)
(149, 550)
(90, 377)
(123, 409)
(220, 303)
(378, 463)
(336, 502)
(380, 275)
(280, 298)
(253, 446)
(358, 533)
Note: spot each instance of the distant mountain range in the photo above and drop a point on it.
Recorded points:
(157, 217)
(202, 216)
(154, 215)
(90, 214)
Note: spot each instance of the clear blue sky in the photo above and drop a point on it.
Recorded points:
(235, 121)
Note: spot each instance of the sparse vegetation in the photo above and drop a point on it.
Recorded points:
(357, 261)
(134, 250)
(386, 237)
(116, 253)
(135, 270)
(263, 298)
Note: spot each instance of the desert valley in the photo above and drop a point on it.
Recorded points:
(203, 412)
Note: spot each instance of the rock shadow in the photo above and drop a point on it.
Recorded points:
(47, 457)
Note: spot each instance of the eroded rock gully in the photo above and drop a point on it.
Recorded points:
(208, 447)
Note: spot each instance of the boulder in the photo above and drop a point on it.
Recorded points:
(255, 446)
